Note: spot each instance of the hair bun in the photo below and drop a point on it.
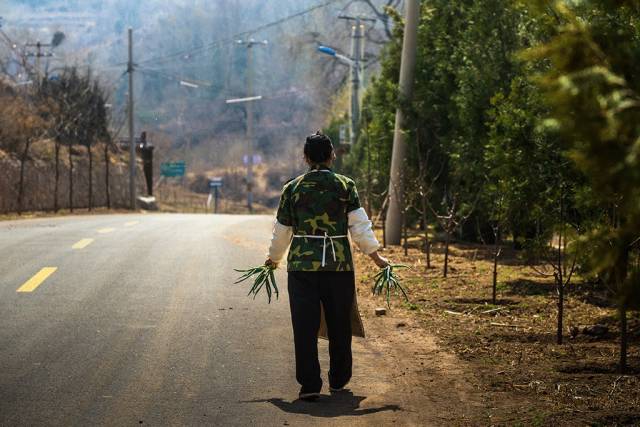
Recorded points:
(318, 147)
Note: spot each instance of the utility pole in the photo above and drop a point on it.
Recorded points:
(39, 54)
(357, 51)
(356, 37)
(395, 213)
(132, 142)
(249, 109)
(250, 128)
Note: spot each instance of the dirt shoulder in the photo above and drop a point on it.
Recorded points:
(481, 364)
(429, 384)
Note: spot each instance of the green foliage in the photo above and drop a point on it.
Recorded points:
(526, 116)
(263, 277)
(473, 118)
(592, 87)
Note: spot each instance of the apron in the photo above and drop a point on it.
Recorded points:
(357, 328)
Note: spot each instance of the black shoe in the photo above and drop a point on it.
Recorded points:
(309, 397)
(333, 389)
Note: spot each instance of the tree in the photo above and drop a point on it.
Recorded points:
(593, 90)
(79, 117)
(20, 126)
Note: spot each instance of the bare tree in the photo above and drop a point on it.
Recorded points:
(553, 259)
(20, 126)
(455, 216)
(426, 183)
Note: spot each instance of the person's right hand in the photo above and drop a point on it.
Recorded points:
(380, 261)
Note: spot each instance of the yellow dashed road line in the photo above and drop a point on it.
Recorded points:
(131, 223)
(106, 230)
(42, 275)
(81, 244)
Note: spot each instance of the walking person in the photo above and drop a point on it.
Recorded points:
(317, 212)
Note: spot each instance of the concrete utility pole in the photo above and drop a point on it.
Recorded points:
(132, 142)
(249, 109)
(393, 224)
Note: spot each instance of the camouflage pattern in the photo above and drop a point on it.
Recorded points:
(315, 203)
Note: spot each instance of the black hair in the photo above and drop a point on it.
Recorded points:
(318, 148)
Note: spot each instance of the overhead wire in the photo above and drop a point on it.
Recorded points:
(236, 36)
(172, 77)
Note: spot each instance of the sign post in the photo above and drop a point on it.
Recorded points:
(214, 185)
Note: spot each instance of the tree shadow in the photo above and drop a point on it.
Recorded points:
(525, 338)
(619, 419)
(482, 301)
(591, 294)
(594, 368)
(340, 404)
(478, 252)
(526, 287)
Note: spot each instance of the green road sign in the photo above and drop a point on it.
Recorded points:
(172, 169)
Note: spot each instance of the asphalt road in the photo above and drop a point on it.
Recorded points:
(134, 319)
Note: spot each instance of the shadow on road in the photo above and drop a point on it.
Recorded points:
(336, 405)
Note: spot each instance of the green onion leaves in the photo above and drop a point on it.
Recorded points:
(387, 281)
(262, 277)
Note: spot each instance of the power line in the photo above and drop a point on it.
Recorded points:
(242, 34)
(173, 77)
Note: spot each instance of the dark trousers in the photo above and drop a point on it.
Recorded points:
(335, 290)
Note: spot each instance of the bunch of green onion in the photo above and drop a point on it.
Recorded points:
(263, 277)
(387, 281)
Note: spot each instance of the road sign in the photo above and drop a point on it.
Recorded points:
(257, 159)
(215, 182)
(173, 169)
(343, 135)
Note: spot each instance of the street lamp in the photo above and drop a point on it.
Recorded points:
(188, 84)
(354, 64)
(332, 52)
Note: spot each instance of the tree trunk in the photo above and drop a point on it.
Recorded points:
(559, 276)
(496, 254)
(70, 180)
(23, 161)
(57, 177)
(384, 228)
(446, 252)
(623, 339)
(90, 177)
(405, 234)
(427, 242)
(106, 175)
(560, 310)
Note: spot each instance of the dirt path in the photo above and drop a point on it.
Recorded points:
(399, 362)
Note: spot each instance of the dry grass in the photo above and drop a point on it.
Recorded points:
(529, 379)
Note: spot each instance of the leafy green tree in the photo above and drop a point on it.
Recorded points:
(593, 89)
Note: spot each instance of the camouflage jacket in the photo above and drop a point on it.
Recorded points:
(314, 204)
